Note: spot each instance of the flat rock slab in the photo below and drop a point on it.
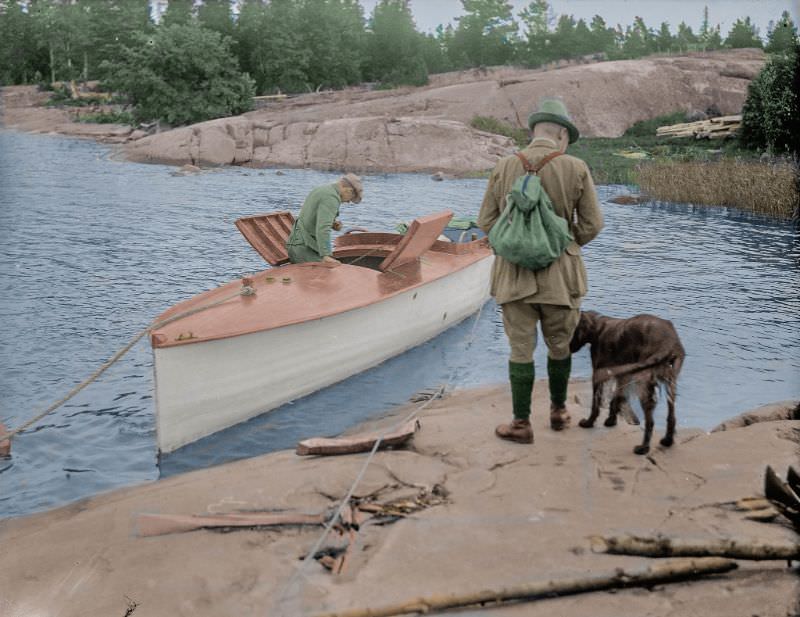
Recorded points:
(507, 514)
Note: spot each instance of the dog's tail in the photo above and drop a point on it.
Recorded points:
(606, 374)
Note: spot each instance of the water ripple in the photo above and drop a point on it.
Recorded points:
(92, 249)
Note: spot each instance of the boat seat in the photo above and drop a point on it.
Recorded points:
(267, 234)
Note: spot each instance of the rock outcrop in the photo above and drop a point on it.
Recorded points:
(427, 129)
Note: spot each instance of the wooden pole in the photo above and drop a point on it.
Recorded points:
(660, 546)
(661, 572)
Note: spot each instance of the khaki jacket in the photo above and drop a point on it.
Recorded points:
(569, 184)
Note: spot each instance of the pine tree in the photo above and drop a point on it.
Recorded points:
(782, 37)
(743, 34)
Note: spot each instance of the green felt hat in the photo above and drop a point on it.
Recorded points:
(553, 110)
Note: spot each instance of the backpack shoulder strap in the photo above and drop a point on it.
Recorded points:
(535, 169)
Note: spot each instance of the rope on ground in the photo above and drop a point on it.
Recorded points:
(309, 557)
(106, 365)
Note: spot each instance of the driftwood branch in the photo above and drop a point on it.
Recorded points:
(660, 546)
(162, 524)
(662, 572)
(356, 443)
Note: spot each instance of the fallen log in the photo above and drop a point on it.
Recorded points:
(162, 524)
(782, 496)
(660, 546)
(658, 573)
(363, 442)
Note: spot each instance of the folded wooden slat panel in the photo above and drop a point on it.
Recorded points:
(267, 234)
(421, 235)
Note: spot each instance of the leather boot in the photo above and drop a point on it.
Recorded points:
(519, 431)
(559, 417)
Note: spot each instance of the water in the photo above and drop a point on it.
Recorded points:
(93, 249)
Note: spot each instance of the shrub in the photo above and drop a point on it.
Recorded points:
(771, 113)
(181, 74)
(492, 125)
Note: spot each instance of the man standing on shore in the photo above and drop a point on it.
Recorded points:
(310, 239)
(553, 294)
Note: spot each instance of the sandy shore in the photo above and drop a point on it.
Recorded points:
(497, 514)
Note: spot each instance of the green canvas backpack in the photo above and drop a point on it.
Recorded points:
(529, 233)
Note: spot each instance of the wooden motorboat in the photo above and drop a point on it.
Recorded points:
(234, 352)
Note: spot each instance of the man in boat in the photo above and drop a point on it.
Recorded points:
(553, 294)
(310, 239)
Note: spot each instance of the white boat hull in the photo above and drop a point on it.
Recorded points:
(207, 386)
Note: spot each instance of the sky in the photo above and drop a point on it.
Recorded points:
(430, 13)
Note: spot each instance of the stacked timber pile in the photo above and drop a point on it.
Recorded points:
(713, 128)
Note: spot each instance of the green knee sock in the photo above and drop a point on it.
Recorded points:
(558, 378)
(521, 375)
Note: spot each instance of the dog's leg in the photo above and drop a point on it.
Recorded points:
(620, 399)
(647, 397)
(597, 399)
(671, 386)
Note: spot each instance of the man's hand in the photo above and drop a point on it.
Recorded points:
(330, 260)
(337, 225)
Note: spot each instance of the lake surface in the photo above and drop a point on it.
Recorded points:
(93, 249)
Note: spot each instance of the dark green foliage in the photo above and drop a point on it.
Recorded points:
(181, 74)
(395, 50)
(743, 34)
(216, 15)
(489, 124)
(782, 37)
(771, 111)
(108, 117)
(647, 128)
(179, 12)
(485, 36)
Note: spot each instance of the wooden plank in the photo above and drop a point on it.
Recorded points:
(162, 524)
(363, 442)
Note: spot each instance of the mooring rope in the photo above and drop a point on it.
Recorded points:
(309, 557)
(106, 365)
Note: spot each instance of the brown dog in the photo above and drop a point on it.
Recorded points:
(645, 350)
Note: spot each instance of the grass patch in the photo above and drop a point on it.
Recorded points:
(108, 117)
(489, 124)
(769, 188)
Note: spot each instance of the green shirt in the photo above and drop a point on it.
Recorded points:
(313, 226)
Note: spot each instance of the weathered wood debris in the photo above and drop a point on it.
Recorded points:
(362, 442)
(713, 128)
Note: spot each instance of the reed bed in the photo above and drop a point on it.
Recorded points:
(769, 188)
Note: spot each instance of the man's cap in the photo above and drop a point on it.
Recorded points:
(553, 110)
(354, 182)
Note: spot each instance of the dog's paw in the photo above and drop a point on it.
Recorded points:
(666, 441)
(586, 423)
(610, 421)
(641, 449)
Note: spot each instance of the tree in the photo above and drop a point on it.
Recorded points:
(536, 20)
(486, 34)
(743, 34)
(333, 33)
(394, 47)
(216, 15)
(709, 35)
(18, 50)
(639, 41)
(771, 113)
(179, 12)
(782, 37)
(181, 74)
(685, 39)
(664, 40)
(603, 37)
(112, 25)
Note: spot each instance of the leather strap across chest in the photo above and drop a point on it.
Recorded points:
(535, 169)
